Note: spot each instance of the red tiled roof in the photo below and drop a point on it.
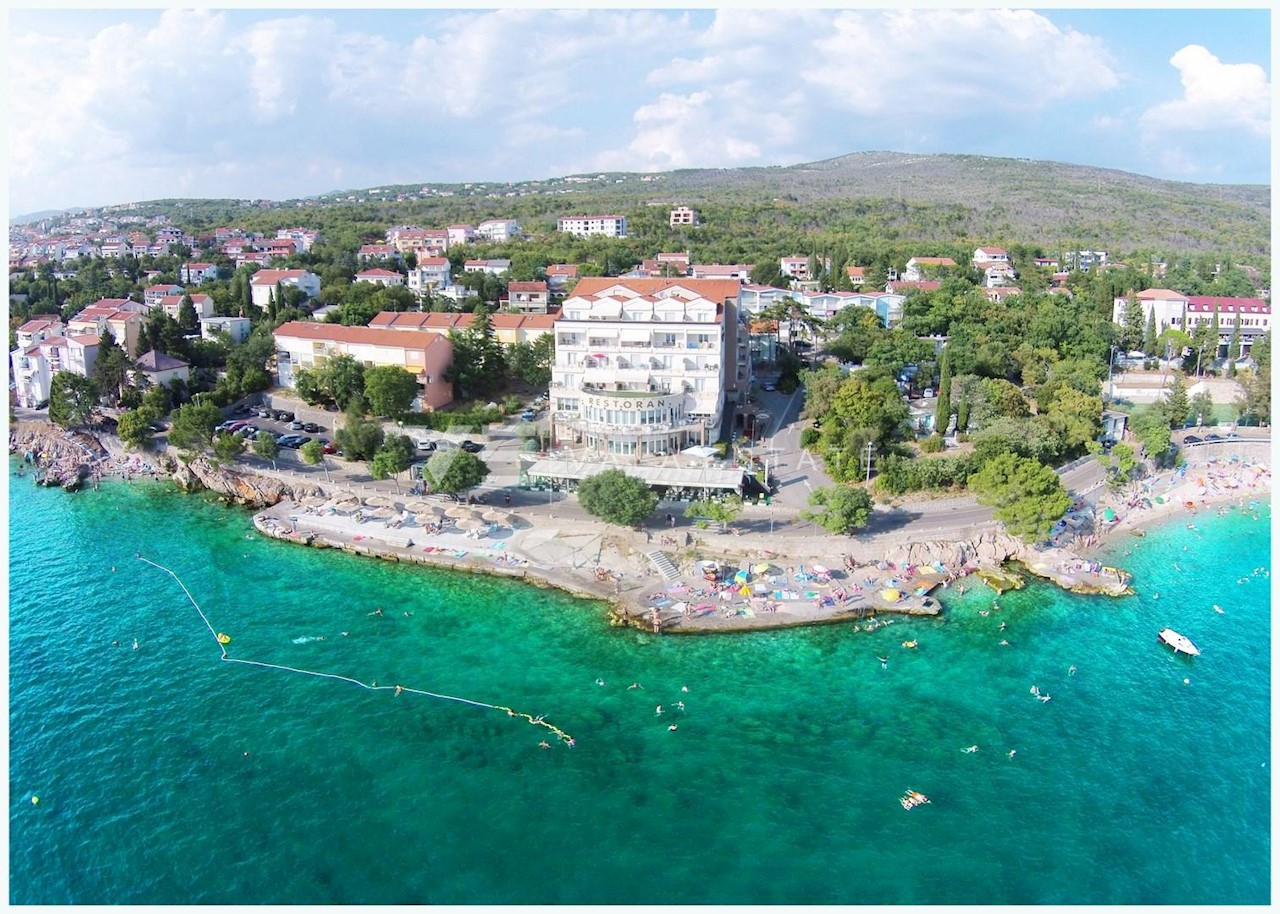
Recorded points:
(538, 286)
(271, 277)
(373, 336)
(1229, 304)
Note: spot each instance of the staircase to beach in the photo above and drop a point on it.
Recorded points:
(663, 564)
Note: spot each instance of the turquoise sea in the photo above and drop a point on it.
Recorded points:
(1146, 778)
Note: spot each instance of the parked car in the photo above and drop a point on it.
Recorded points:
(528, 415)
(286, 440)
(328, 446)
(295, 425)
(263, 412)
(471, 447)
(1213, 437)
(1191, 439)
(282, 415)
(769, 386)
(444, 444)
(424, 444)
(310, 427)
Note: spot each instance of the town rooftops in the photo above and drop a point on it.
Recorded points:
(1149, 294)
(535, 286)
(379, 274)
(1207, 303)
(436, 321)
(934, 261)
(716, 290)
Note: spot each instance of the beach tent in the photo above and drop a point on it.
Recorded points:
(893, 596)
(1108, 516)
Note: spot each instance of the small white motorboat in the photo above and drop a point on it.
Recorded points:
(1181, 644)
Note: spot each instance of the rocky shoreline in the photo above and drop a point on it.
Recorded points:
(623, 576)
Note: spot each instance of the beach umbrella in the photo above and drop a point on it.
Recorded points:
(347, 500)
(379, 501)
(471, 523)
(424, 518)
(494, 516)
(418, 506)
(893, 596)
(742, 576)
(459, 512)
(762, 568)
(313, 501)
(384, 513)
(1108, 515)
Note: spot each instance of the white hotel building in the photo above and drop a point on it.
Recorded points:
(643, 367)
(609, 226)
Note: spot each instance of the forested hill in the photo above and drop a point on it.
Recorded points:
(861, 198)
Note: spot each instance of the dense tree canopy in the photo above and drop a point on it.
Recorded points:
(617, 498)
(1028, 496)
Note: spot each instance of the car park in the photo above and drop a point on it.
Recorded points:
(295, 425)
(424, 444)
(310, 427)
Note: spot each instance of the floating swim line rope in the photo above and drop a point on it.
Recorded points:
(538, 721)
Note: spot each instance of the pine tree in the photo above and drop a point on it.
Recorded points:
(943, 416)
(1149, 337)
(1233, 348)
(1215, 335)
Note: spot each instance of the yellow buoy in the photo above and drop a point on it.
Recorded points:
(223, 639)
(35, 801)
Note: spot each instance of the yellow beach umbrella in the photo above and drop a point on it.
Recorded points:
(891, 595)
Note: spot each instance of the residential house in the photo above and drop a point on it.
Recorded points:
(561, 275)
(498, 230)
(1046, 263)
(643, 367)
(857, 276)
(609, 226)
(380, 277)
(430, 275)
(461, 234)
(528, 296)
(38, 329)
(160, 369)
(34, 366)
(302, 238)
(236, 328)
(122, 317)
(427, 356)
(1252, 314)
(984, 256)
(998, 274)
(683, 215)
(172, 304)
(756, 298)
(1084, 261)
(262, 284)
(724, 271)
(795, 267)
(919, 268)
(1000, 293)
(197, 273)
(369, 252)
(495, 267)
(151, 295)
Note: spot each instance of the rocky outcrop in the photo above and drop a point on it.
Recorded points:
(239, 486)
(989, 549)
(48, 444)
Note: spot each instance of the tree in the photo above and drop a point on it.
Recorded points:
(265, 446)
(1152, 431)
(843, 509)
(188, 320)
(389, 390)
(228, 447)
(617, 498)
(1076, 417)
(345, 379)
(359, 438)
(1121, 465)
(531, 362)
(1175, 406)
(193, 426)
(722, 511)
(1028, 496)
(1233, 347)
(1131, 332)
(1149, 344)
(1202, 407)
(111, 368)
(393, 458)
(72, 399)
(452, 470)
(134, 426)
(943, 416)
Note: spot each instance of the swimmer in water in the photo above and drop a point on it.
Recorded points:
(884, 662)
(634, 685)
(544, 745)
(672, 727)
(599, 682)
(1071, 670)
(399, 689)
(135, 644)
(970, 749)
(680, 705)
(659, 710)
(1012, 753)
(684, 688)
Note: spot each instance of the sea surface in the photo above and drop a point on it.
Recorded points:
(167, 776)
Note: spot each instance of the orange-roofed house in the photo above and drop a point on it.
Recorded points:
(263, 284)
(427, 356)
(528, 296)
(919, 268)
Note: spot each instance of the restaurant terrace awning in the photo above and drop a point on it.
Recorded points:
(674, 477)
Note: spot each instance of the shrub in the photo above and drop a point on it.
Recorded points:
(931, 445)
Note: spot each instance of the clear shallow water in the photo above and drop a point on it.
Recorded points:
(781, 784)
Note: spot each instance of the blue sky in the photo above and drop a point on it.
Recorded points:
(113, 106)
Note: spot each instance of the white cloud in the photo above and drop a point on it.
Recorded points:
(1215, 96)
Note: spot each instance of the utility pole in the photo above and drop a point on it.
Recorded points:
(871, 446)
